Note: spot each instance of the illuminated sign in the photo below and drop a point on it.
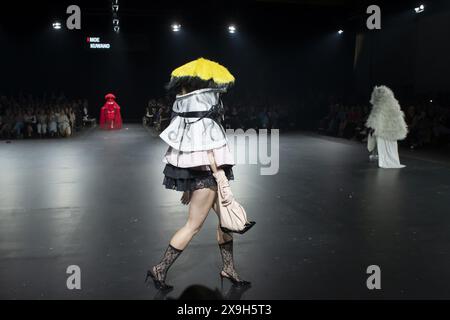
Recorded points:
(96, 43)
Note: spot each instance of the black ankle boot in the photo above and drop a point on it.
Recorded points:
(158, 273)
(228, 271)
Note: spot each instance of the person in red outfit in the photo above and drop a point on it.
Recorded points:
(110, 117)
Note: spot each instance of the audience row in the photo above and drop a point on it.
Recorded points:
(28, 116)
(237, 116)
(428, 124)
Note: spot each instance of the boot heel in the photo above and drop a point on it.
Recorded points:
(147, 276)
(235, 282)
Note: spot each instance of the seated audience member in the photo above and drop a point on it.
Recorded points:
(72, 119)
(42, 123)
(263, 120)
(18, 124)
(52, 123)
(164, 118)
(441, 127)
(148, 117)
(64, 128)
(30, 123)
(7, 126)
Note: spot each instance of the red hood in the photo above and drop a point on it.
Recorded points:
(110, 96)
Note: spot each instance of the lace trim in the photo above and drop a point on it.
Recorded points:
(191, 183)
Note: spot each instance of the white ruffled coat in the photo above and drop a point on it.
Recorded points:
(189, 134)
(191, 140)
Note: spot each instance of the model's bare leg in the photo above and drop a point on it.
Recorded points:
(201, 202)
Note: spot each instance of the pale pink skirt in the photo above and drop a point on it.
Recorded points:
(180, 159)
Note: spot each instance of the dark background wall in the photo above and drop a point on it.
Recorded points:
(410, 53)
(279, 52)
(286, 52)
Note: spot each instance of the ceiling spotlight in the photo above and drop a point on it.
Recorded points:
(56, 25)
(116, 22)
(419, 9)
(116, 29)
(115, 8)
(341, 31)
(176, 27)
(232, 29)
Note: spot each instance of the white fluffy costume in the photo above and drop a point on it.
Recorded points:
(387, 121)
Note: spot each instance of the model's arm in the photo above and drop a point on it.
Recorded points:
(212, 161)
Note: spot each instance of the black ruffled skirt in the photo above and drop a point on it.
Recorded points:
(190, 179)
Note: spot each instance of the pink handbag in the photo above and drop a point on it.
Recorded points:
(233, 217)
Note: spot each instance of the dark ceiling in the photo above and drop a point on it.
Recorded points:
(27, 15)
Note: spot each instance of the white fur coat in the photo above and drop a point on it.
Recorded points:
(386, 117)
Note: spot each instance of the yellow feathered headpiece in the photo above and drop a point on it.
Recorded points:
(201, 73)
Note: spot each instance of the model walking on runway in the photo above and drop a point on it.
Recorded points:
(197, 160)
(387, 125)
